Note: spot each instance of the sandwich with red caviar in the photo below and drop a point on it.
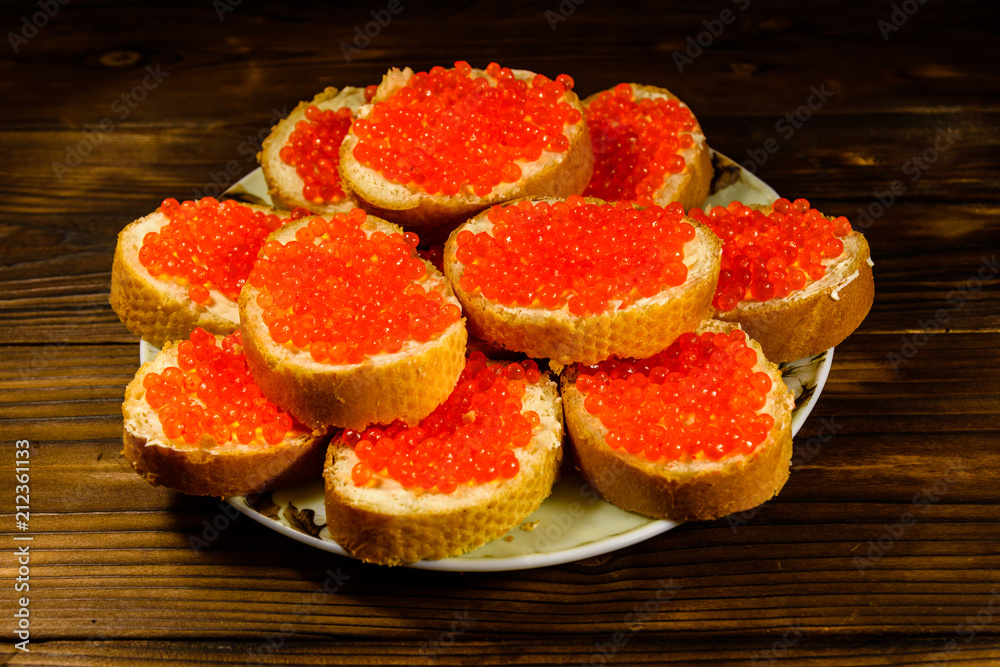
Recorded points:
(696, 432)
(435, 148)
(648, 147)
(581, 280)
(183, 266)
(474, 469)
(301, 157)
(196, 422)
(797, 281)
(344, 325)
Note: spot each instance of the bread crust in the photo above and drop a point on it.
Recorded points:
(283, 184)
(205, 468)
(817, 318)
(639, 330)
(699, 490)
(405, 385)
(434, 216)
(423, 526)
(159, 310)
(691, 186)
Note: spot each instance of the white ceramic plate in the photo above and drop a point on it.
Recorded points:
(573, 523)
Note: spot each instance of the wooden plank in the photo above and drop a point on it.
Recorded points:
(813, 162)
(950, 290)
(640, 648)
(638, 41)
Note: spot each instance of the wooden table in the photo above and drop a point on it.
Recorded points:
(109, 108)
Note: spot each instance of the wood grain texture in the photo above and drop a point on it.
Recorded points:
(824, 574)
(641, 651)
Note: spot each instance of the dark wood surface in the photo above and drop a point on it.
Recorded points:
(113, 579)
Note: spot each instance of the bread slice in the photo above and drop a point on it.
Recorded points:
(689, 187)
(407, 384)
(640, 329)
(283, 184)
(159, 310)
(819, 316)
(690, 489)
(209, 468)
(392, 525)
(433, 216)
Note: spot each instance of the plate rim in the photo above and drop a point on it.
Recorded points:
(482, 564)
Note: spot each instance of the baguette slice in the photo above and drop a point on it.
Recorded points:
(392, 525)
(407, 384)
(689, 187)
(639, 330)
(283, 183)
(433, 216)
(691, 489)
(160, 310)
(819, 316)
(206, 467)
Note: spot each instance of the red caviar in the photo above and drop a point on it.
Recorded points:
(637, 144)
(698, 399)
(469, 439)
(210, 396)
(344, 294)
(770, 255)
(435, 255)
(313, 148)
(582, 254)
(206, 245)
(450, 130)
